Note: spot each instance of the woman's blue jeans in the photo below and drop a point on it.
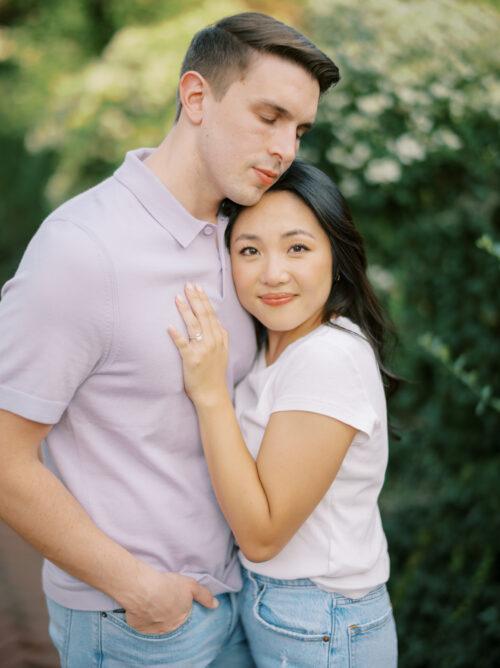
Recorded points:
(295, 624)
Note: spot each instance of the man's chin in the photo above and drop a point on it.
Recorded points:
(248, 197)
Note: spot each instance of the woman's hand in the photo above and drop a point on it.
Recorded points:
(205, 350)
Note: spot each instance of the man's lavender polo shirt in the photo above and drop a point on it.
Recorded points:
(83, 346)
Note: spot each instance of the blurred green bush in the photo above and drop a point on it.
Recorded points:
(410, 134)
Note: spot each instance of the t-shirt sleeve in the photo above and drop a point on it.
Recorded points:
(322, 378)
(55, 321)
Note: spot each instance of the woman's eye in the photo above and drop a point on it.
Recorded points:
(299, 248)
(266, 119)
(248, 250)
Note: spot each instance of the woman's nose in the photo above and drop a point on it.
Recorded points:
(275, 273)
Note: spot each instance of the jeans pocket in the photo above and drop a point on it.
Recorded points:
(295, 612)
(195, 643)
(374, 643)
(119, 620)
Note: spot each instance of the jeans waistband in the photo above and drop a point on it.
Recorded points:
(376, 592)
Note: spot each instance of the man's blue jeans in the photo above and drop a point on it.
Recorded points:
(208, 637)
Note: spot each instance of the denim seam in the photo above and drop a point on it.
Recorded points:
(276, 582)
(100, 657)
(361, 629)
(354, 633)
(331, 642)
(374, 595)
(65, 656)
(233, 617)
(340, 599)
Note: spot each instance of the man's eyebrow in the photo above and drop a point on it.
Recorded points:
(282, 112)
(291, 233)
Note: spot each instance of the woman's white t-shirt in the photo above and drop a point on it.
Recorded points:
(341, 546)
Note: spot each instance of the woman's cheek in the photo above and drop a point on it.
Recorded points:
(243, 283)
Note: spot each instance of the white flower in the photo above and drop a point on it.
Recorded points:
(383, 170)
(349, 186)
(115, 124)
(439, 91)
(99, 79)
(358, 122)
(337, 101)
(7, 45)
(373, 105)
(381, 278)
(411, 96)
(458, 103)
(408, 149)
(421, 122)
(353, 158)
(445, 137)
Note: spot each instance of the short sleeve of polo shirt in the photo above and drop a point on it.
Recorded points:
(321, 377)
(55, 321)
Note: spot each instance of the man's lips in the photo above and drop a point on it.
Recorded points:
(277, 299)
(267, 176)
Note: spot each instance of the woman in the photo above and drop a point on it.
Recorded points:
(298, 468)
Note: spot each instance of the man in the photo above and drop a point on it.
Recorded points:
(122, 507)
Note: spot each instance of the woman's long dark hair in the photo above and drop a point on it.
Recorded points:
(351, 294)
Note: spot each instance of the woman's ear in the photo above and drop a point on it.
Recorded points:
(192, 89)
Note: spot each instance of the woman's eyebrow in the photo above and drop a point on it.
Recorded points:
(247, 237)
(285, 235)
(293, 233)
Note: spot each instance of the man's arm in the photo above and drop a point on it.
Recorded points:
(38, 507)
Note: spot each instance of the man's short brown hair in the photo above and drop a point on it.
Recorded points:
(222, 51)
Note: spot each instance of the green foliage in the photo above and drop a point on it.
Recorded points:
(409, 134)
(82, 82)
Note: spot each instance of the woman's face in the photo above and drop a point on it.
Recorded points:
(282, 263)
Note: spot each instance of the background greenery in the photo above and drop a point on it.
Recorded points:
(410, 133)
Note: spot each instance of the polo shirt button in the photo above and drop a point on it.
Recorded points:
(208, 230)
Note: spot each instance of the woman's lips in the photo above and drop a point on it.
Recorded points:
(267, 177)
(276, 300)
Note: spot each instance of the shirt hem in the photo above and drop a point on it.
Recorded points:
(296, 403)
(77, 595)
(30, 407)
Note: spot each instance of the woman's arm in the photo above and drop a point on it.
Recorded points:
(264, 501)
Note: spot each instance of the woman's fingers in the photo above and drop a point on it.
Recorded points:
(180, 341)
(193, 325)
(200, 317)
(195, 296)
(208, 309)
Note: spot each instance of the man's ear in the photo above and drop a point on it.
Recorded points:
(192, 89)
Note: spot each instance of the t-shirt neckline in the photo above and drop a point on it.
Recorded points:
(341, 320)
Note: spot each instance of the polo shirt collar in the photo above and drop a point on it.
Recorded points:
(156, 198)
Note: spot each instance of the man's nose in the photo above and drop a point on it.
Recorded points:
(285, 145)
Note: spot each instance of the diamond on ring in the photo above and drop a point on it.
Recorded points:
(196, 337)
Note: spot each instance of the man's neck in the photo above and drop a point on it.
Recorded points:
(175, 162)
